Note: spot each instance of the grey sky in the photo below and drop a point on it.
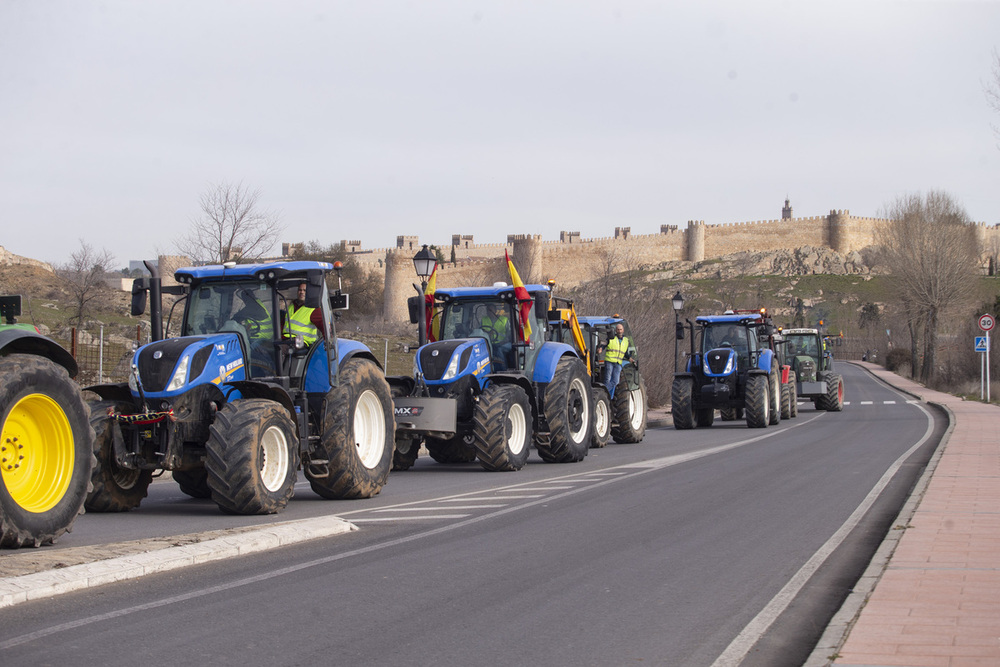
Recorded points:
(371, 119)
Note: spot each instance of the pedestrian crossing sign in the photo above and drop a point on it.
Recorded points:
(980, 343)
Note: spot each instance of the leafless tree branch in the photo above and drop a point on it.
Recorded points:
(232, 226)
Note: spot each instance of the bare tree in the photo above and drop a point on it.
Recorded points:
(232, 226)
(84, 275)
(930, 251)
(992, 91)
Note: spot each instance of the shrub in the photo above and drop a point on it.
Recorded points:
(897, 358)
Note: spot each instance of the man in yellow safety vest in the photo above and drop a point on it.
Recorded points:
(616, 352)
(299, 319)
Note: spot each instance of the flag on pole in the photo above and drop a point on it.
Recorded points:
(429, 305)
(524, 300)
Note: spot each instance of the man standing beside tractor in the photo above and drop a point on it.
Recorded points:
(616, 352)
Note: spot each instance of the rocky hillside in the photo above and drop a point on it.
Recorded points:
(803, 261)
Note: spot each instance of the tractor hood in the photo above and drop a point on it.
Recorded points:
(448, 360)
(720, 362)
(168, 368)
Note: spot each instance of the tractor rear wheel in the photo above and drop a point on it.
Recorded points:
(630, 414)
(833, 401)
(115, 489)
(681, 403)
(786, 402)
(502, 427)
(252, 457)
(602, 418)
(358, 434)
(728, 414)
(47, 451)
(567, 411)
(793, 396)
(704, 417)
(193, 482)
(758, 401)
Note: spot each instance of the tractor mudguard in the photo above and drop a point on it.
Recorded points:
(547, 360)
(765, 359)
(30, 342)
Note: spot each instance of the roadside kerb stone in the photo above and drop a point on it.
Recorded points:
(15, 590)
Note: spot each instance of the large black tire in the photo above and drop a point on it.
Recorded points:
(758, 401)
(728, 414)
(193, 482)
(405, 453)
(704, 417)
(630, 414)
(682, 403)
(358, 434)
(774, 386)
(115, 489)
(501, 425)
(786, 402)
(602, 418)
(568, 412)
(458, 449)
(833, 401)
(252, 457)
(47, 451)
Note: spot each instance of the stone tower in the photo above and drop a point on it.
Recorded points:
(526, 253)
(167, 265)
(840, 239)
(399, 278)
(786, 211)
(695, 241)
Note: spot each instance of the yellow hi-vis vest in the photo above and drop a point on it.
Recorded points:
(297, 323)
(616, 350)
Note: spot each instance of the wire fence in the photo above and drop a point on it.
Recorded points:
(102, 355)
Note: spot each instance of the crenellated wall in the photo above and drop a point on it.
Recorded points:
(572, 260)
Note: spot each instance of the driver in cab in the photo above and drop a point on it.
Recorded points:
(301, 320)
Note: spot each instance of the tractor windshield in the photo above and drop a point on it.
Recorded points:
(243, 308)
(725, 335)
(803, 346)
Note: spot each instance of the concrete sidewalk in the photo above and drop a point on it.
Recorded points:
(936, 598)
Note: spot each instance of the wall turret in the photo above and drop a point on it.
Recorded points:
(526, 253)
(839, 232)
(695, 241)
(399, 277)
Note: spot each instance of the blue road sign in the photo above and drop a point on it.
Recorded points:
(980, 343)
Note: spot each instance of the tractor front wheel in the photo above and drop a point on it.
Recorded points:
(681, 403)
(115, 489)
(502, 427)
(602, 418)
(252, 457)
(758, 402)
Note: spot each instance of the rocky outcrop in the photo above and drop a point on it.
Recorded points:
(806, 260)
(10, 259)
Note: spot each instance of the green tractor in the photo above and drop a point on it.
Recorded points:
(813, 366)
(46, 444)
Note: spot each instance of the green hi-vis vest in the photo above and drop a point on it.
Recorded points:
(616, 350)
(297, 323)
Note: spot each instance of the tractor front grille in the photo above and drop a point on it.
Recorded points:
(717, 360)
(434, 358)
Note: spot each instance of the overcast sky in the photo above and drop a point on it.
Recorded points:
(371, 119)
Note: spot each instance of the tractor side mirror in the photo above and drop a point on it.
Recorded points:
(413, 306)
(139, 288)
(10, 308)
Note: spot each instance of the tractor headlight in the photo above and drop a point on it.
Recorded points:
(180, 375)
(452, 370)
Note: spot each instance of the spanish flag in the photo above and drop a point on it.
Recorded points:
(523, 299)
(432, 324)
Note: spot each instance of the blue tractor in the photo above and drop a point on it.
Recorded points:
(236, 404)
(734, 372)
(480, 391)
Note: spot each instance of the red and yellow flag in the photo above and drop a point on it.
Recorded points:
(523, 299)
(429, 306)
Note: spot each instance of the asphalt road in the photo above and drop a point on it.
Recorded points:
(691, 548)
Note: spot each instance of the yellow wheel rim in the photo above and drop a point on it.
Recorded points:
(36, 453)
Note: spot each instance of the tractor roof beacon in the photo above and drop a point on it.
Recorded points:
(235, 405)
(481, 391)
(46, 442)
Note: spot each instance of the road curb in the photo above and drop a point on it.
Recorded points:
(15, 590)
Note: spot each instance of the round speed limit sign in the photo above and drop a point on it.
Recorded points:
(987, 322)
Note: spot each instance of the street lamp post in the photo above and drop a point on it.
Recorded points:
(424, 263)
(678, 303)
